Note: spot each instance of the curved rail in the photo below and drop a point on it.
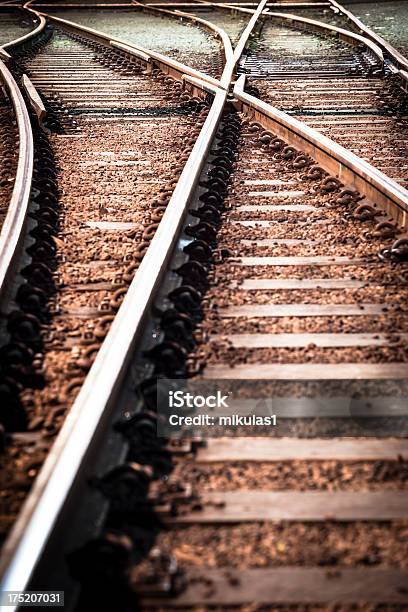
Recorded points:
(12, 232)
(172, 66)
(346, 35)
(395, 55)
(334, 158)
(211, 27)
(22, 39)
(228, 52)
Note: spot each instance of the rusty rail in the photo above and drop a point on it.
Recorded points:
(58, 476)
(12, 232)
(334, 158)
(215, 30)
(22, 39)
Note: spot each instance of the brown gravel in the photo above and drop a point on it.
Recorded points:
(307, 324)
(8, 154)
(308, 354)
(312, 544)
(295, 475)
(386, 294)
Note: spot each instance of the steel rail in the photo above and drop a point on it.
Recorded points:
(12, 232)
(22, 39)
(243, 41)
(228, 51)
(350, 169)
(172, 66)
(39, 514)
(35, 100)
(345, 35)
(233, 56)
(230, 68)
(4, 55)
(29, 535)
(211, 27)
(395, 55)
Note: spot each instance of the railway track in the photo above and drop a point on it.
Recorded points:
(388, 21)
(338, 89)
(276, 261)
(85, 238)
(163, 32)
(267, 316)
(99, 232)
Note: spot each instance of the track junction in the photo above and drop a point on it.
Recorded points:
(235, 212)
